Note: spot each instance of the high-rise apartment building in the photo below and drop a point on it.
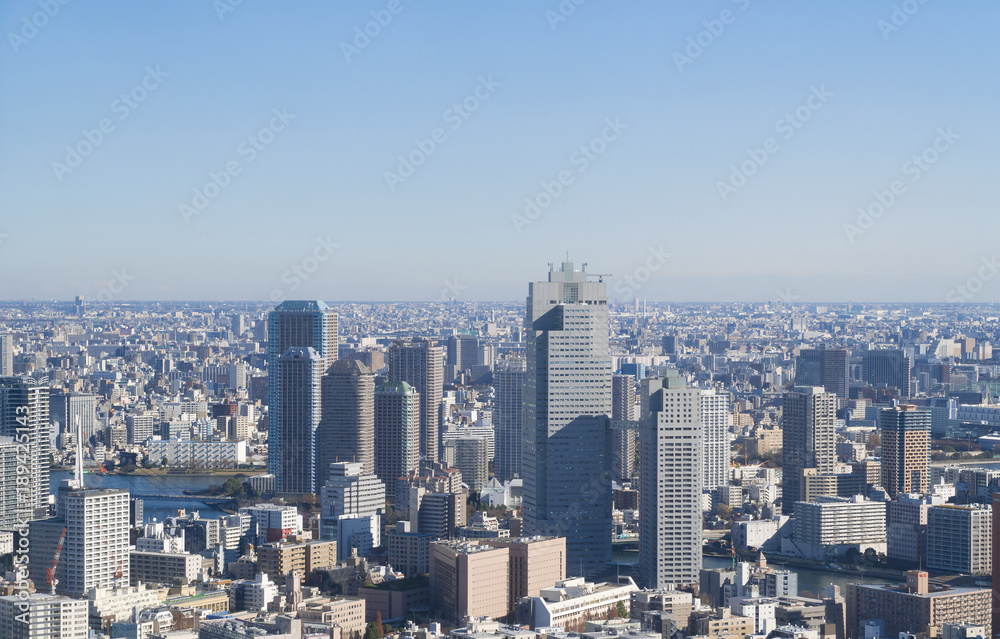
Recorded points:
(420, 363)
(671, 456)
(715, 425)
(94, 524)
(808, 439)
(12, 511)
(959, 539)
(24, 415)
(6, 354)
(906, 448)
(347, 428)
(469, 454)
(824, 367)
(565, 458)
(349, 496)
(397, 437)
(43, 615)
(299, 324)
(888, 367)
(300, 370)
(508, 380)
(623, 442)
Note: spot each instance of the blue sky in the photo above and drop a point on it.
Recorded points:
(311, 213)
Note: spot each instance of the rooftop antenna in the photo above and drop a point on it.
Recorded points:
(78, 467)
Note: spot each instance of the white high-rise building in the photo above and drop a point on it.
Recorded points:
(6, 354)
(95, 526)
(715, 421)
(671, 454)
(565, 459)
(24, 415)
(41, 615)
(350, 495)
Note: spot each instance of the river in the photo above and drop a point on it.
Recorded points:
(811, 581)
(152, 485)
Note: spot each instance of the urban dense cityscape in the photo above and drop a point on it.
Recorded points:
(562, 319)
(569, 467)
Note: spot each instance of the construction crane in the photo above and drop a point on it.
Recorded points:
(50, 573)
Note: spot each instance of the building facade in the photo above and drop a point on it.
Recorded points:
(808, 439)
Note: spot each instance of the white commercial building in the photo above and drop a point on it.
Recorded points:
(959, 539)
(259, 593)
(110, 605)
(715, 421)
(352, 504)
(573, 600)
(271, 522)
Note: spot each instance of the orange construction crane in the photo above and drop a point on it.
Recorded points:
(50, 573)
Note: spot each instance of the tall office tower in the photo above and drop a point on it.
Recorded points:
(808, 439)
(420, 363)
(6, 354)
(888, 367)
(80, 306)
(565, 456)
(463, 352)
(508, 380)
(24, 415)
(300, 373)
(906, 449)
(347, 429)
(397, 437)
(94, 526)
(623, 442)
(715, 422)
(824, 367)
(671, 451)
(43, 615)
(350, 495)
(294, 324)
(65, 408)
(238, 323)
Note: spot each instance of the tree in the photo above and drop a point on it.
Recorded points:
(379, 630)
(234, 487)
(612, 612)
(622, 609)
(163, 461)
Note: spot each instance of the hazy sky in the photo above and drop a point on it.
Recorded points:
(642, 119)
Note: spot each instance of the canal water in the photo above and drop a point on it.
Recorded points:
(153, 485)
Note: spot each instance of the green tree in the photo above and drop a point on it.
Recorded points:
(622, 609)
(163, 461)
(234, 487)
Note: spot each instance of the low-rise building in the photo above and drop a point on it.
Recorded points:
(830, 526)
(345, 613)
(571, 601)
(282, 558)
(394, 599)
(163, 567)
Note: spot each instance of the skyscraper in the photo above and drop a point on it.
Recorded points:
(6, 354)
(623, 442)
(294, 324)
(715, 423)
(508, 380)
(65, 408)
(24, 415)
(347, 428)
(906, 448)
(824, 367)
(565, 457)
(888, 367)
(350, 495)
(43, 615)
(11, 510)
(300, 373)
(420, 363)
(397, 440)
(808, 439)
(671, 451)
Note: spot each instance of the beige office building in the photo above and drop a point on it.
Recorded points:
(466, 578)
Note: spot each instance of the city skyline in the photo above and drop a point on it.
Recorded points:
(826, 104)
